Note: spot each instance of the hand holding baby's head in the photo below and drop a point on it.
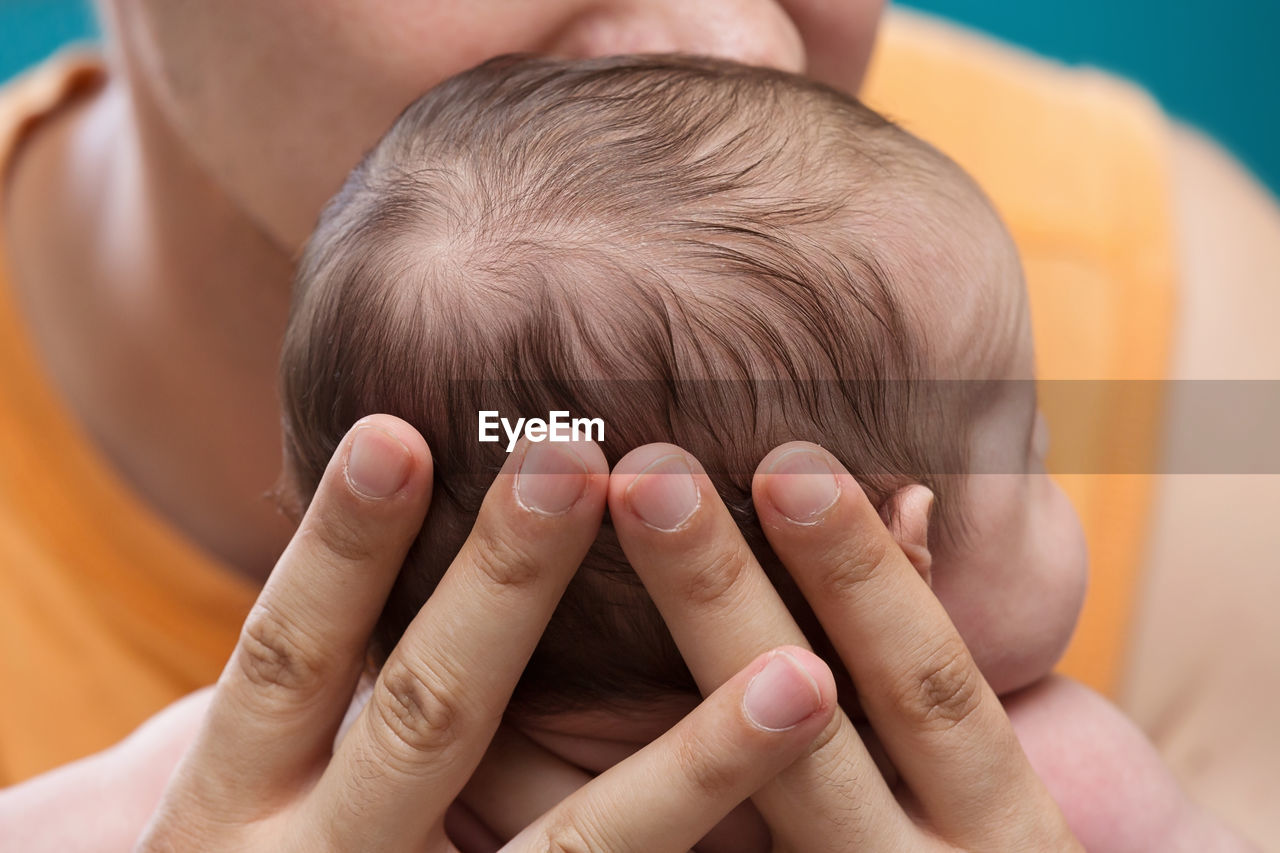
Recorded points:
(699, 252)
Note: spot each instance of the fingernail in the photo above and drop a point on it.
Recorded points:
(551, 479)
(378, 464)
(802, 485)
(664, 494)
(782, 695)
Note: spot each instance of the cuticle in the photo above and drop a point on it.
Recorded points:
(515, 487)
(686, 522)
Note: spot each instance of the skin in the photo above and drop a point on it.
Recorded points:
(1209, 707)
(161, 335)
(1012, 586)
(260, 775)
(263, 772)
(219, 207)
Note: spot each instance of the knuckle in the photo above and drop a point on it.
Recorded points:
(418, 709)
(716, 579)
(274, 653)
(565, 834)
(342, 538)
(853, 569)
(944, 690)
(502, 561)
(710, 778)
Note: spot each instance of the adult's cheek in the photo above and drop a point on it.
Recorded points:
(838, 38)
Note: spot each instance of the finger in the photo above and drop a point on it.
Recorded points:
(677, 534)
(939, 721)
(520, 780)
(443, 689)
(515, 783)
(671, 793)
(723, 611)
(282, 695)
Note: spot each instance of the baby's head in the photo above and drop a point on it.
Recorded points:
(692, 251)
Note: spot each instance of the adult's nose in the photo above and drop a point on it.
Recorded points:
(757, 32)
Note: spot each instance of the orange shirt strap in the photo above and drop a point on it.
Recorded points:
(106, 613)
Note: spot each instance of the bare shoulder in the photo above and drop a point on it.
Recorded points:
(103, 801)
(1111, 784)
(1203, 657)
(1228, 229)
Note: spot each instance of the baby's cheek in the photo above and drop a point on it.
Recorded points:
(987, 615)
(1057, 568)
(1016, 595)
(1067, 559)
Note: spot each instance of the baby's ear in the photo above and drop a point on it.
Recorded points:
(906, 514)
(284, 495)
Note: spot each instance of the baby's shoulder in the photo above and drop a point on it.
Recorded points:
(1116, 792)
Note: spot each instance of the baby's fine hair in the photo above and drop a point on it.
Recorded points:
(685, 248)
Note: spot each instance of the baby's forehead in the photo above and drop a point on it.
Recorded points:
(958, 274)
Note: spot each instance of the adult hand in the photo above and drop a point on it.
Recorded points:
(965, 781)
(263, 774)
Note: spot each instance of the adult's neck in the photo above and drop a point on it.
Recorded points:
(157, 306)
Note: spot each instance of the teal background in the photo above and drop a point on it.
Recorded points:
(1214, 64)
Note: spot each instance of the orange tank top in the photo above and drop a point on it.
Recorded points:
(107, 614)
(1077, 163)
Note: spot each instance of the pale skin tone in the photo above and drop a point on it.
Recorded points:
(1210, 708)
(191, 294)
(261, 775)
(1012, 587)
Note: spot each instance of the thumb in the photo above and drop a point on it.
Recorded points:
(738, 739)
